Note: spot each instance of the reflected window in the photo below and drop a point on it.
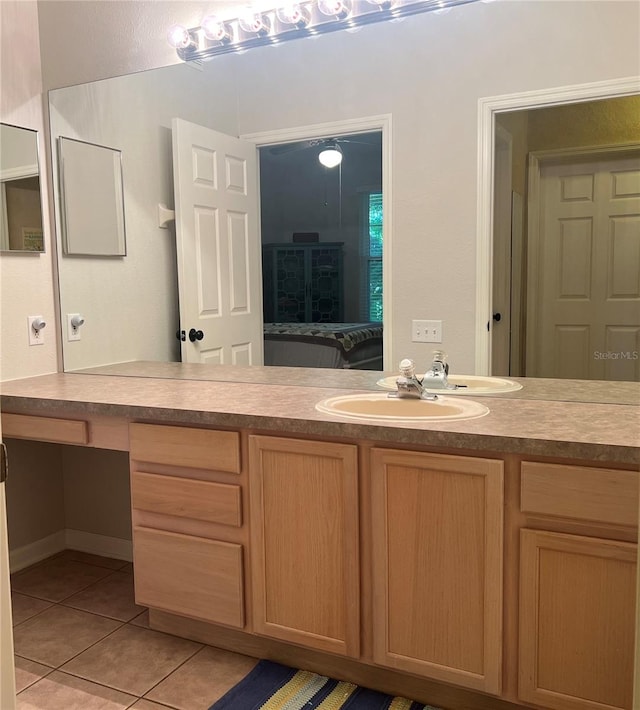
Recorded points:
(371, 241)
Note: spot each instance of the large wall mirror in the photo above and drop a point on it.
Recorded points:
(21, 219)
(429, 153)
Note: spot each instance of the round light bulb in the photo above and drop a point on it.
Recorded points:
(331, 156)
(214, 29)
(383, 4)
(334, 8)
(179, 37)
(293, 14)
(254, 23)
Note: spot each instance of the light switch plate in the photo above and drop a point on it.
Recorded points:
(426, 331)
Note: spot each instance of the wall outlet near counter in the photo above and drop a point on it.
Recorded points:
(36, 325)
(74, 321)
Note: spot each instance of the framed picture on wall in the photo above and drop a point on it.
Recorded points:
(92, 199)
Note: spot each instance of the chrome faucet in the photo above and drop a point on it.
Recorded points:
(408, 385)
(436, 376)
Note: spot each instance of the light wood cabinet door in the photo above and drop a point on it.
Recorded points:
(577, 612)
(304, 542)
(437, 566)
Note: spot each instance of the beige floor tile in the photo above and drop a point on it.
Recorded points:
(60, 691)
(203, 679)
(24, 607)
(148, 705)
(57, 579)
(132, 659)
(59, 633)
(28, 672)
(112, 596)
(97, 560)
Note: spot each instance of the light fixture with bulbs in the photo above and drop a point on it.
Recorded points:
(296, 19)
(331, 155)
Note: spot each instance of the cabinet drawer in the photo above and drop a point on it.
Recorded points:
(62, 431)
(186, 498)
(599, 495)
(186, 447)
(189, 576)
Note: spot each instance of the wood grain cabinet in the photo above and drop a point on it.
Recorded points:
(437, 566)
(577, 613)
(304, 542)
(577, 592)
(187, 522)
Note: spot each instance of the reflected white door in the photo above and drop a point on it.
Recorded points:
(584, 287)
(218, 246)
(501, 299)
(7, 677)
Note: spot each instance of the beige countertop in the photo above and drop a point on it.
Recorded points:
(565, 429)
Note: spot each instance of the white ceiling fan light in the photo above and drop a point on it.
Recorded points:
(331, 155)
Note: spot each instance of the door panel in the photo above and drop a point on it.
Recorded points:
(585, 284)
(218, 240)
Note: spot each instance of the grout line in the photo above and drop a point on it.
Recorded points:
(186, 660)
(37, 680)
(91, 646)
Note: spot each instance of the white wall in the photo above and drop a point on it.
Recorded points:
(26, 280)
(428, 72)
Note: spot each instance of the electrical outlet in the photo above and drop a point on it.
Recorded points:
(74, 321)
(36, 336)
(426, 331)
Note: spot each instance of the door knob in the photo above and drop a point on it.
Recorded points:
(195, 335)
(497, 317)
(181, 335)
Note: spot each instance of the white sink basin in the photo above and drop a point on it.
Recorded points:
(380, 407)
(474, 385)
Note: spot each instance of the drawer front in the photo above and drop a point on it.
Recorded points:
(186, 447)
(186, 498)
(62, 431)
(189, 575)
(599, 495)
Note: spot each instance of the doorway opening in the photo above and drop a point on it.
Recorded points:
(323, 232)
(512, 333)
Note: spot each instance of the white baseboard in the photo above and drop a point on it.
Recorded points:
(29, 554)
(99, 545)
(39, 550)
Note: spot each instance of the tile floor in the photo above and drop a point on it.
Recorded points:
(81, 643)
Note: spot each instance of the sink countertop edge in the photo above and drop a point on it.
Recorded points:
(575, 430)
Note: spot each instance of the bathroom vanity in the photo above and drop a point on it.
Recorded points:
(483, 564)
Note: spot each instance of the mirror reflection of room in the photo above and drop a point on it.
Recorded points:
(21, 216)
(322, 240)
(430, 197)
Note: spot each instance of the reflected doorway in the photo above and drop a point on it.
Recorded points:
(583, 125)
(322, 226)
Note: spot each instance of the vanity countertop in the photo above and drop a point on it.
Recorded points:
(597, 391)
(566, 429)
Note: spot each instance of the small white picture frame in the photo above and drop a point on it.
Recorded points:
(92, 199)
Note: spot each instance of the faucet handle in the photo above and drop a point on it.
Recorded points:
(407, 368)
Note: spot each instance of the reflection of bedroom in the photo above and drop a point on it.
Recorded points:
(322, 252)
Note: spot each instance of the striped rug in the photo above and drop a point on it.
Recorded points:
(271, 686)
